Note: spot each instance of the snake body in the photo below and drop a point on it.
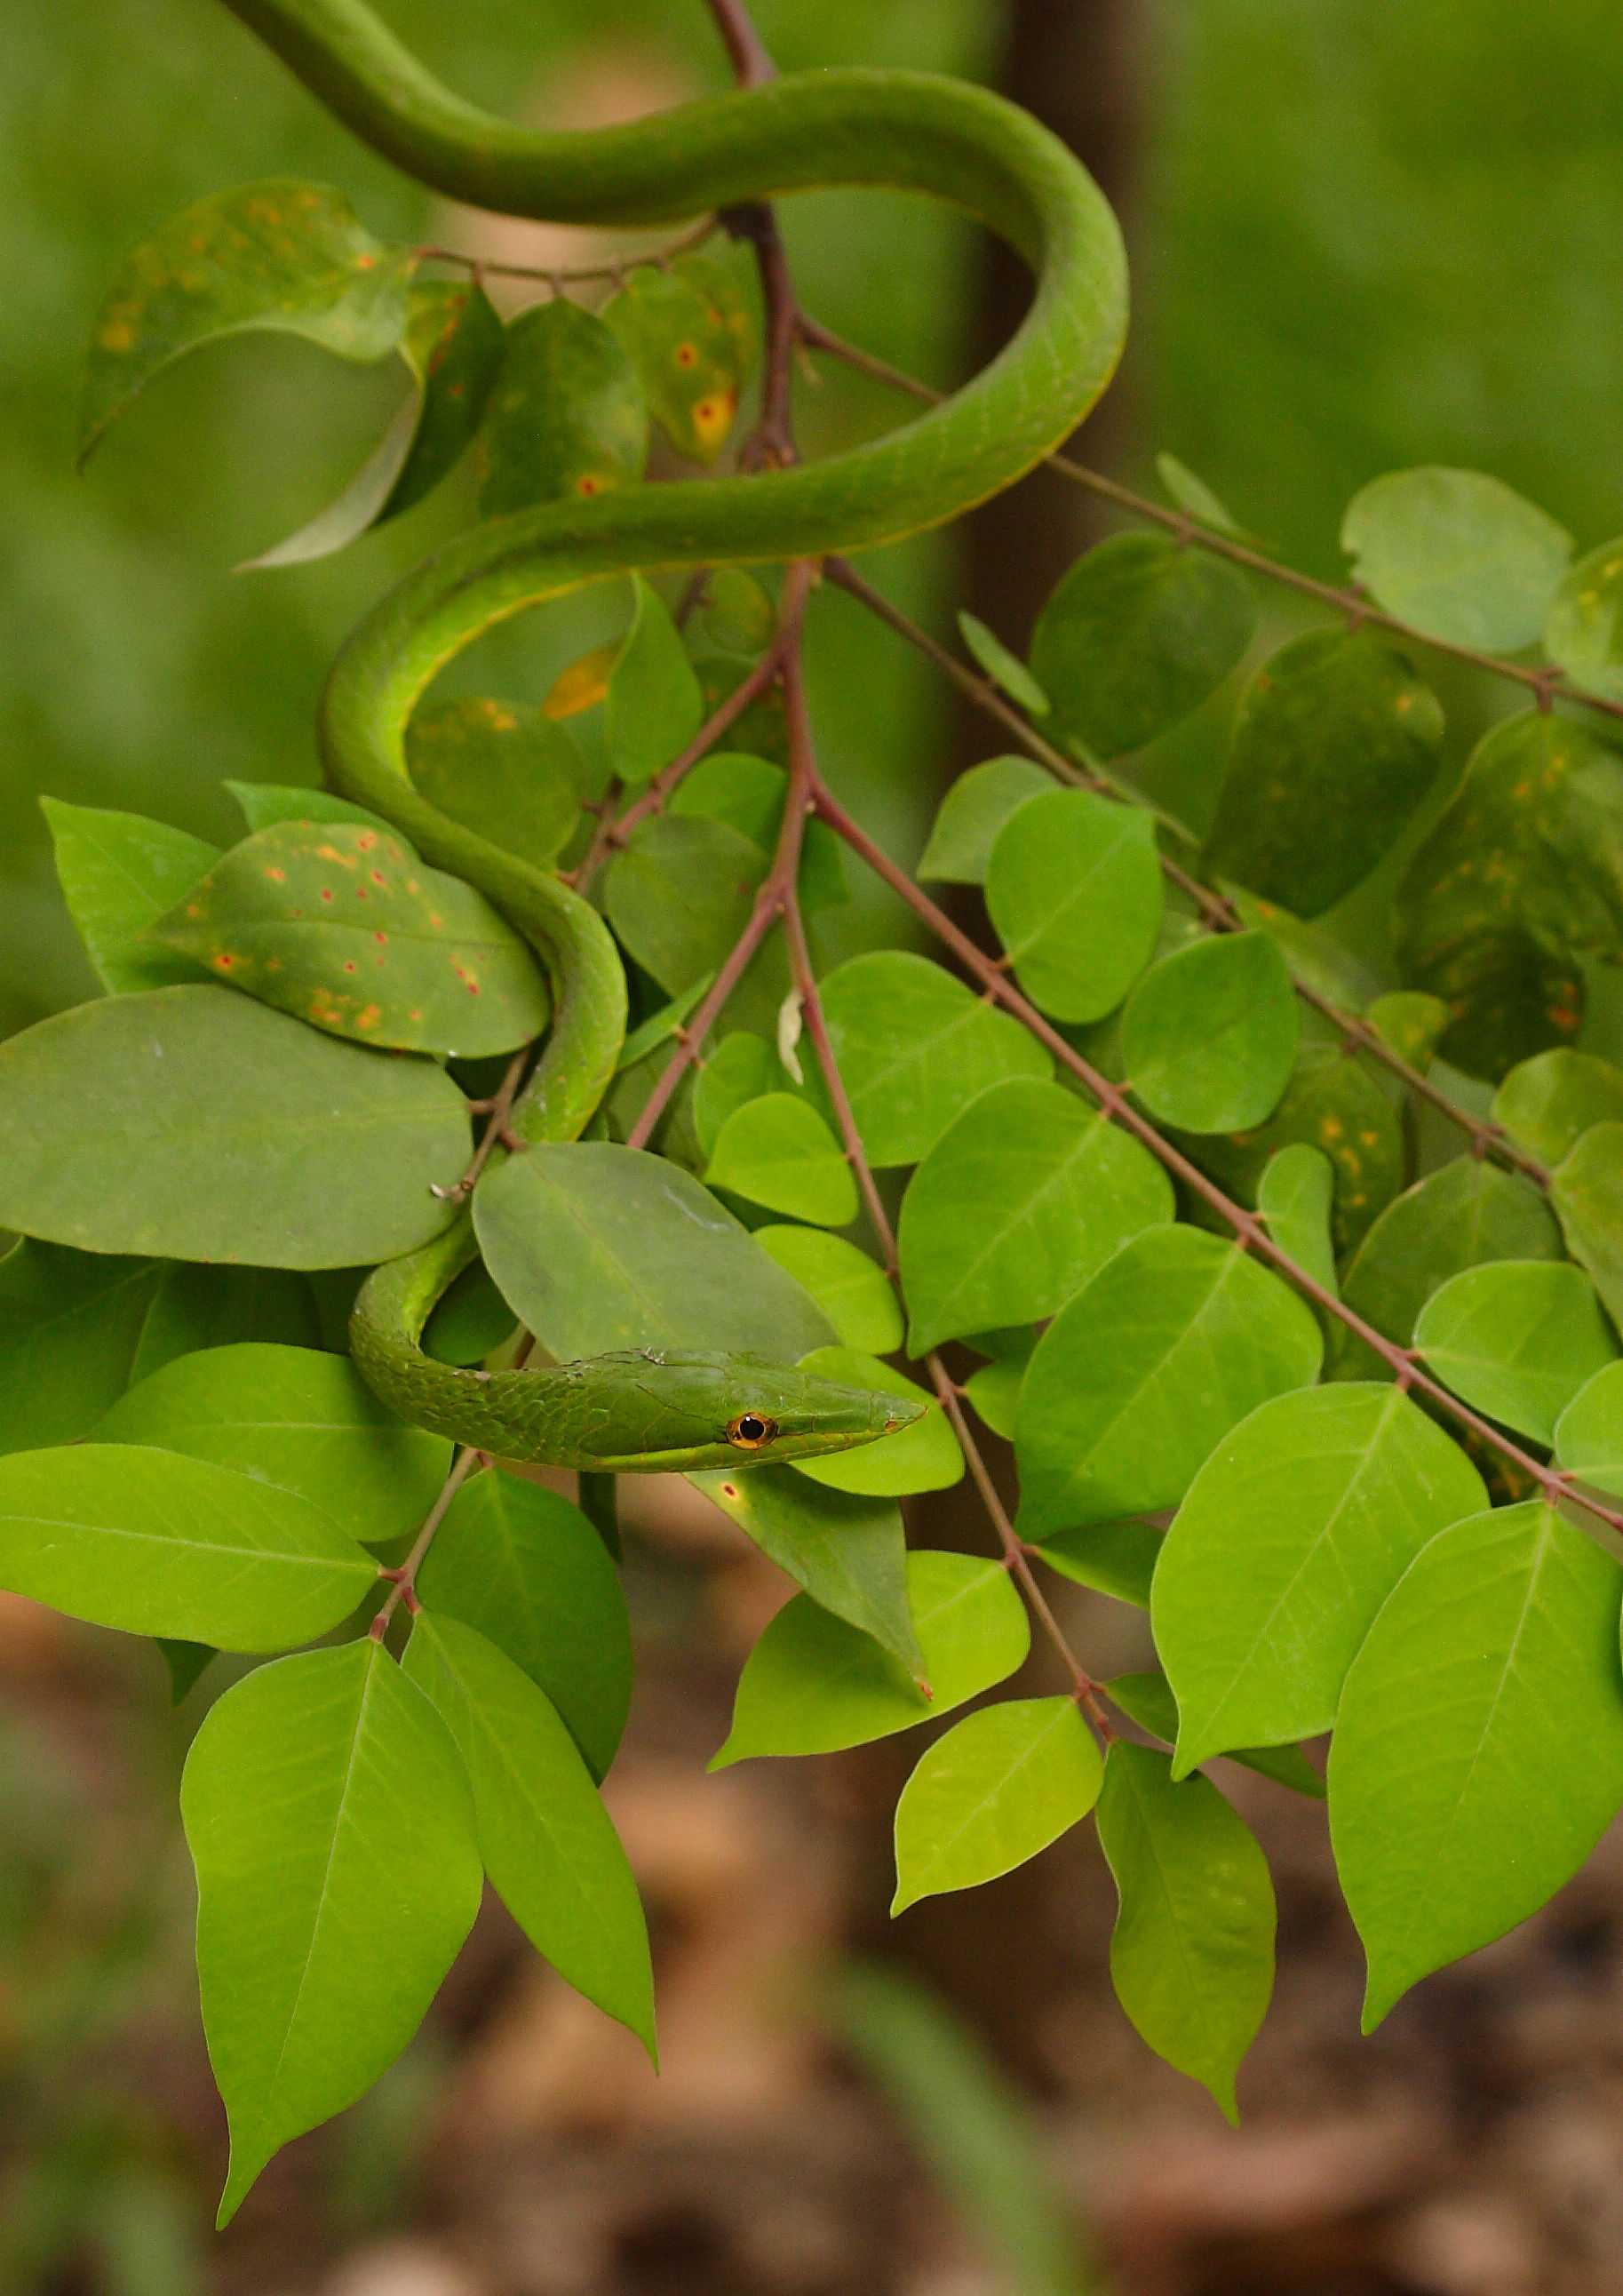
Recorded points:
(903, 130)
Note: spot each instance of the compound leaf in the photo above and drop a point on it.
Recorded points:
(1001, 1785)
(1517, 1338)
(118, 873)
(329, 1821)
(1074, 888)
(1456, 1804)
(1456, 554)
(1210, 1034)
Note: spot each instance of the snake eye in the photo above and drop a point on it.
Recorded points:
(750, 1432)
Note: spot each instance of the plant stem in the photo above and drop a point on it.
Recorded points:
(404, 1587)
(655, 259)
(746, 52)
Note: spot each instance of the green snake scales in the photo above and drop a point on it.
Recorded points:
(642, 1411)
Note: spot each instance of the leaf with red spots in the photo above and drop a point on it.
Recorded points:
(288, 256)
(343, 926)
(689, 331)
(567, 416)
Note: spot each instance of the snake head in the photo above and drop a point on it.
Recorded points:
(663, 1409)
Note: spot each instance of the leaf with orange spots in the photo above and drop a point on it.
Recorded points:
(287, 257)
(453, 349)
(1522, 876)
(567, 416)
(344, 927)
(689, 331)
(502, 768)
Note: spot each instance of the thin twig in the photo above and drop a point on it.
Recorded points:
(746, 52)
(403, 1588)
(656, 258)
(498, 1131)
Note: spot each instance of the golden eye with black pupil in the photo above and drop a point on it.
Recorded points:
(750, 1432)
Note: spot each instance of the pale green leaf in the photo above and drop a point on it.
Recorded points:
(740, 1070)
(1587, 1192)
(852, 1289)
(119, 871)
(1411, 1024)
(972, 814)
(777, 1151)
(1074, 888)
(923, 1457)
(690, 332)
(198, 1305)
(1147, 1699)
(1456, 554)
(1548, 1104)
(1191, 495)
(1113, 1558)
(1000, 1786)
(1295, 1196)
(1002, 667)
(1517, 1338)
(1582, 631)
(679, 894)
(1589, 1433)
(262, 804)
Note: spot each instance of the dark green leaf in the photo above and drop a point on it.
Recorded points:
(1292, 1535)
(187, 1664)
(1192, 1953)
(972, 814)
(1411, 1024)
(197, 1306)
(1074, 888)
(1002, 667)
(1581, 629)
(1133, 1384)
(1210, 1034)
(566, 414)
(71, 1322)
(290, 256)
(1113, 1558)
(1587, 1192)
(1001, 1785)
(158, 1544)
(1589, 1433)
(654, 704)
(914, 1047)
(923, 1457)
(199, 1125)
(1547, 1103)
(1479, 1750)
(295, 1418)
(1336, 743)
(813, 1683)
(1016, 1206)
(1517, 1338)
(848, 1552)
(119, 872)
(740, 1070)
(331, 1827)
(545, 1838)
(1457, 555)
(852, 1290)
(345, 928)
(1315, 956)
(598, 1247)
(738, 613)
(1136, 636)
(748, 794)
(689, 331)
(501, 768)
(527, 1569)
(1334, 1104)
(778, 1151)
(471, 1321)
(680, 893)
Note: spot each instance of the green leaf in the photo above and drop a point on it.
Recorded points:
(1587, 1192)
(1134, 1383)
(1292, 1535)
(690, 334)
(567, 413)
(158, 1544)
(294, 1418)
(1316, 957)
(972, 814)
(1113, 1558)
(453, 350)
(740, 1069)
(813, 1683)
(331, 1827)
(994, 1390)
(1074, 889)
(738, 613)
(1335, 744)
(119, 872)
(196, 1305)
(852, 1290)
(680, 893)
(527, 1569)
(1478, 1750)
(914, 1047)
(654, 705)
(748, 794)
(1148, 1699)
(1581, 631)
(1457, 555)
(1001, 1785)
(1192, 1956)
(1295, 1195)
(1411, 1024)
(1002, 667)
(501, 768)
(1468, 1212)
(778, 1151)
(199, 1125)
(545, 1838)
(1548, 1104)
(1589, 1433)
(1523, 872)
(288, 256)
(1018, 1202)
(923, 1457)
(1517, 1338)
(1210, 1034)
(71, 1323)
(471, 1321)
(598, 1247)
(1135, 637)
(346, 928)
(265, 803)
(1193, 496)
(187, 1664)
(847, 1551)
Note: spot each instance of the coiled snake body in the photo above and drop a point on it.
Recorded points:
(903, 130)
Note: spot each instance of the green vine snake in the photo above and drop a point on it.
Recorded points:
(904, 130)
